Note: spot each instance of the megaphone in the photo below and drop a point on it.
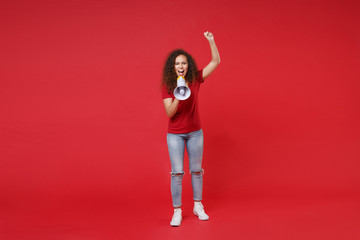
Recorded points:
(181, 92)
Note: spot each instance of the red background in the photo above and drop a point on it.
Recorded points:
(83, 128)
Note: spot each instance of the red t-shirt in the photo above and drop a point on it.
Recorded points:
(186, 119)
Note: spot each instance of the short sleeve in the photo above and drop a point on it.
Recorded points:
(165, 93)
(200, 76)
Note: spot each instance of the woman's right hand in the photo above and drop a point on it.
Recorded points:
(171, 106)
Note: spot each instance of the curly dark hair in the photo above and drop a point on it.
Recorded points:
(169, 77)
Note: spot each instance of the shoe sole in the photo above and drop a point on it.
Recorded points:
(199, 217)
(174, 225)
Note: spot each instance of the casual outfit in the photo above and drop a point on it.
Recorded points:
(184, 129)
(194, 142)
(186, 119)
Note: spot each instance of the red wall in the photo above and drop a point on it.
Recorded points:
(81, 109)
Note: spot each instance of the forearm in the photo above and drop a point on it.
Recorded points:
(171, 108)
(215, 56)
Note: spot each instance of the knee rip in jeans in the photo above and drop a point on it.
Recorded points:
(177, 174)
(198, 172)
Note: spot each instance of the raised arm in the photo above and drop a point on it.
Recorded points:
(215, 57)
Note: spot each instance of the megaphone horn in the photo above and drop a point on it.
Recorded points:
(181, 92)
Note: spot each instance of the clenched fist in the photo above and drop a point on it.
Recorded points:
(209, 36)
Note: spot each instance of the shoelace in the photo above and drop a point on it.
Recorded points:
(200, 208)
(177, 213)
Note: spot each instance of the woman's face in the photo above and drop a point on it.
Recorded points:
(181, 65)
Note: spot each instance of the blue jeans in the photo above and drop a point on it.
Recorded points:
(194, 142)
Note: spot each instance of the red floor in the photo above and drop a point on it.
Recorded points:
(246, 216)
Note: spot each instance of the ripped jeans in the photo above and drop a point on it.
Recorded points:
(194, 142)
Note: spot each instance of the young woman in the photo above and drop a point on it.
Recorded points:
(184, 124)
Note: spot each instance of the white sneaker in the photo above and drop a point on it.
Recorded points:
(199, 211)
(176, 218)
